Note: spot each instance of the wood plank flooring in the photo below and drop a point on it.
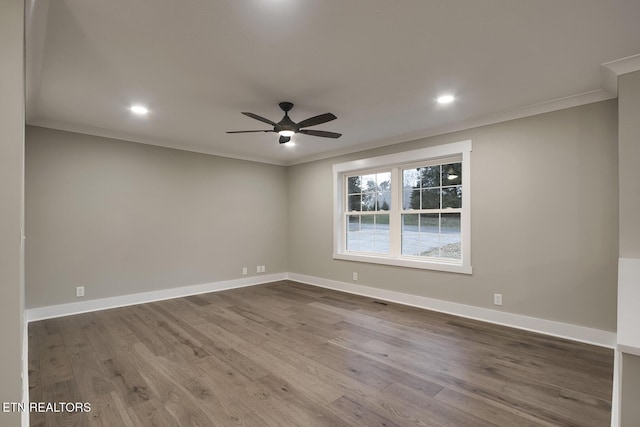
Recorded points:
(288, 354)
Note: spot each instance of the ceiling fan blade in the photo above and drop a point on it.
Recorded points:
(249, 131)
(321, 133)
(257, 117)
(317, 120)
(284, 139)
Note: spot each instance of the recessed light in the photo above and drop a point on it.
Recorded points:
(446, 99)
(140, 110)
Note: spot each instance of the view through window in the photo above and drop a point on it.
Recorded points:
(408, 209)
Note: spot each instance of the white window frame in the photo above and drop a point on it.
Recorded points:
(396, 162)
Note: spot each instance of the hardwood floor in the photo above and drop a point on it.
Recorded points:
(288, 354)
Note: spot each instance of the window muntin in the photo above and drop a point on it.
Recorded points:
(427, 223)
(367, 195)
(368, 233)
(369, 192)
(432, 205)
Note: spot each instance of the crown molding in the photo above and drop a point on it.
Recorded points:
(610, 71)
(165, 143)
(484, 120)
(613, 69)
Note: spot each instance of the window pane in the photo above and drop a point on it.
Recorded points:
(355, 202)
(368, 233)
(410, 246)
(353, 232)
(428, 245)
(353, 185)
(382, 222)
(381, 234)
(384, 201)
(353, 222)
(374, 191)
(368, 201)
(410, 235)
(430, 176)
(450, 236)
(452, 197)
(420, 234)
(367, 221)
(384, 181)
(450, 223)
(430, 223)
(410, 222)
(452, 174)
(411, 199)
(429, 234)
(369, 182)
(431, 199)
(410, 178)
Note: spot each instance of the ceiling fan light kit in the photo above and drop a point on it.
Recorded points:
(286, 127)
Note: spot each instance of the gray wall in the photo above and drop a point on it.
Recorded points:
(629, 146)
(121, 218)
(11, 206)
(544, 219)
(629, 141)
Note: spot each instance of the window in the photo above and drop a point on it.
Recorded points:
(408, 209)
(367, 214)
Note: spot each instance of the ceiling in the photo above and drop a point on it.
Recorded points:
(378, 65)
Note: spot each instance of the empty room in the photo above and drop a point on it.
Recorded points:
(320, 213)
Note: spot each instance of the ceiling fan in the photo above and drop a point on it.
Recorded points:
(287, 127)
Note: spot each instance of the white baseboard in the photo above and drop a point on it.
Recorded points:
(48, 312)
(548, 327)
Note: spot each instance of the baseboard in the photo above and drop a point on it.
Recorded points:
(548, 327)
(49, 312)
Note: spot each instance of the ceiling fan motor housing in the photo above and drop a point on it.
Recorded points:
(287, 127)
(286, 124)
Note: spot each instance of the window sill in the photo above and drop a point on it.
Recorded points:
(405, 262)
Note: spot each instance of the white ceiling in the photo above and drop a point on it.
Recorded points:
(376, 64)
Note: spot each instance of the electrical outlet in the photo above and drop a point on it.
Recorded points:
(80, 291)
(258, 269)
(244, 271)
(497, 299)
(264, 268)
(355, 276)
